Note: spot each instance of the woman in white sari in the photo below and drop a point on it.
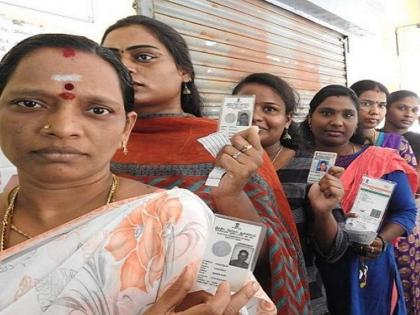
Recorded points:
(76, 239)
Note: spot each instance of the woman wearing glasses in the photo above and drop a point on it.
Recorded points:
(373, 98)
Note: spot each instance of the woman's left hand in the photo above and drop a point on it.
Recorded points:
(240, 160)
(373, 250)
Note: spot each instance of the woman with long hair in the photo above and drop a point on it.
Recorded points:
(168, 129)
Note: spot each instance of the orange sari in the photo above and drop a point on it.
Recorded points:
(164, 152)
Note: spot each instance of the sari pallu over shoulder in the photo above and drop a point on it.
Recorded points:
(164, 152)
(115, 260)
(374, 162)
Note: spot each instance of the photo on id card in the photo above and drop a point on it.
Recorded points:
(231, 253)
(236, 114)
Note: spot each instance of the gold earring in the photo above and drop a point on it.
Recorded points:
(48, 126)
(124, 147)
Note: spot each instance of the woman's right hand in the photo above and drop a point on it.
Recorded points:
(201, 303)
(325, 195)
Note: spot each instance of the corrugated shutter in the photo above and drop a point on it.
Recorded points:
(229, 39)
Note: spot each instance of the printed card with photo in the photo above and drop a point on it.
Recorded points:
(231, 253)
(236, 114)
(321, 162)
(369, 206)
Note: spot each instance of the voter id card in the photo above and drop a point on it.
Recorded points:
(369, 206)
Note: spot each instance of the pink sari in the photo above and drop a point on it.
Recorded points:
(115, 260)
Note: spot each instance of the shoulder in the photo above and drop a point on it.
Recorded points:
(129, 188)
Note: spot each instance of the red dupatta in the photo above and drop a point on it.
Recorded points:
(163, 151)
(374, 162)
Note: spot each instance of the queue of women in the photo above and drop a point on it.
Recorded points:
(112, 215)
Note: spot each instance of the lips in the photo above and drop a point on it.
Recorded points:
(334, 133)
(58, 154)
(407, 122)
(372, 121)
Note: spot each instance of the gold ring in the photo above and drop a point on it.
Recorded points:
(236, 155)
(246, 147)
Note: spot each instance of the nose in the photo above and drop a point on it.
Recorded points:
(374, 109)
(63, 123)
(257, 117)
(336, 121)
(128, 64)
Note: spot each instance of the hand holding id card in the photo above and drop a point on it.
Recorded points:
(231, 254)
(236, 114)
(369, 206)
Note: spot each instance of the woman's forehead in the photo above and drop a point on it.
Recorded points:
(62, 64)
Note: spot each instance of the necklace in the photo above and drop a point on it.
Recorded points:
(8, 215)
(277, 154)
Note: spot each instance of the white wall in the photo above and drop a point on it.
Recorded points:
(82, 17)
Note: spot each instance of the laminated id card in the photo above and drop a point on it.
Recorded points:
(321, 162)
(232, 251)
(370, 204)
(236, 114)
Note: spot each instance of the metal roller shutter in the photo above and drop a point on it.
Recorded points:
(229, 39)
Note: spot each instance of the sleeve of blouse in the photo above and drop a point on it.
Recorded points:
(407, 153)
(341, 241)
(402, 207)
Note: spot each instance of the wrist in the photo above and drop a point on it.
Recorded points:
(384, 242)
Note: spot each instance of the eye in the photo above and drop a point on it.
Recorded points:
(349, 114)
(144, 57)
(326, 113)
(269, 109)
(382, 105)
(99, 111)
(28, 103)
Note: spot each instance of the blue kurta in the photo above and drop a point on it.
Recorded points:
(340, 269)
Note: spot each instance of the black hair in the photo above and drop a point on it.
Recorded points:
(289, 96)
(277, 84)
(15, 55)
(399, 95)
(362, 86)
(321, 96)
(177, 47)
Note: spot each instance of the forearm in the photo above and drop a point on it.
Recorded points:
(391, 231)
(238, 206)
(324, 230)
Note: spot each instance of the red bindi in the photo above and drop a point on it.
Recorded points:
(69, 52)
(69, 86)
(67, 95)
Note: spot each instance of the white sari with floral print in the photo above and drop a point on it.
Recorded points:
(115, 260)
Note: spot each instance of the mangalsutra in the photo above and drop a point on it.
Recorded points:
(7, 223)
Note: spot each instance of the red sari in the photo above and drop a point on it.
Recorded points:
(163, 151)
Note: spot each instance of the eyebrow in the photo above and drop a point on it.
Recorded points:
(41, 93)
(133, 48)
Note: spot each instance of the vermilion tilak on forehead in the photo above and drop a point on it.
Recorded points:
(69, 52)
(67, 95)
(69, 86)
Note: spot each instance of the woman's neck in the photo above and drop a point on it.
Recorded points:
(47, 205)
(391, 128)
(344, 149)
(273, 150)
(279, 155)
(171, 108)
